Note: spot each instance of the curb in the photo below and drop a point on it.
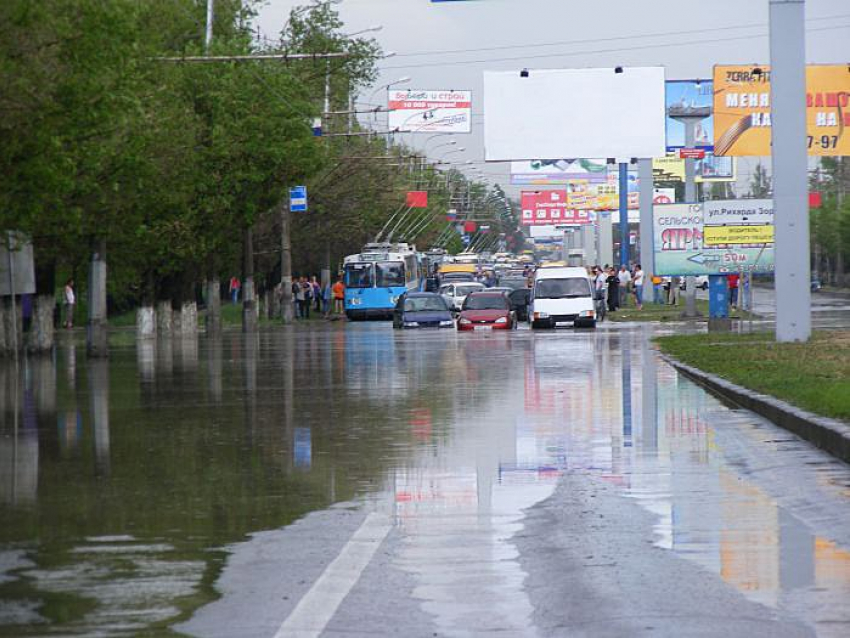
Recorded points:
(830, 435)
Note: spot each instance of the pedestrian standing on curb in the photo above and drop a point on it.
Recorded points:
(307, 292)
(637, 282)
(656, 289)
(733, 280)
(339, 297)
(326, 299)
(69, 300)
(317, 293)
(624, 277)
(235, 285)
(613, 284)
(675, 282)
(298, 295)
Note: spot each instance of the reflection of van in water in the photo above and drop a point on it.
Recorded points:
(561, 296)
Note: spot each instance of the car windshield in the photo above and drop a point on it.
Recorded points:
(422, 304)
(359, 276)
(562, 288)
(512, 283)
(390, 273)
(485, 302)
(462, 291)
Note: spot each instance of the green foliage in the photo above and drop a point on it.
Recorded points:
(164, 165)
(814, 375)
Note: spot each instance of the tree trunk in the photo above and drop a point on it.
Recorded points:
(249, 310)
(146, 314)
(96, 328)
(41, 336)
(164, 318)
(13, 323)
(188, 318)
(213, 317)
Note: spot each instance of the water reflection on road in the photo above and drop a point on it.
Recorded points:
(123, 481)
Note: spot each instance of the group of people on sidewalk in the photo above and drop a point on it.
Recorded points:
(324, 298)
(616, 285)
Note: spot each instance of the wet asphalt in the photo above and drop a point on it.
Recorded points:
(348, 479)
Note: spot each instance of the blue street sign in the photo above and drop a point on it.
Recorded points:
(298, 199)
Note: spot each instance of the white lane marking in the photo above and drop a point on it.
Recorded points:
(316, 608)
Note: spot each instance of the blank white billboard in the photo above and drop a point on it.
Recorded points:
(558, 113)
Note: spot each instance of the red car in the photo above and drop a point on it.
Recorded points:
(486, 311)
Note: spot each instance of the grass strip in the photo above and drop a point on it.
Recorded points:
(814, 376)
(664, 312)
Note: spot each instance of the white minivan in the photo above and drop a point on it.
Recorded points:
(561, 296)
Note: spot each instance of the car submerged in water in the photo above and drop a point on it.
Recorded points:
(422, 310)
(486, 311)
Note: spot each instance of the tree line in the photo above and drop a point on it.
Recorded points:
(174, 173)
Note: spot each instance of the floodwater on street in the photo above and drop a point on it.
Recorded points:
(145, 493)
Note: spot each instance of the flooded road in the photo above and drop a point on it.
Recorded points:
(351, 479)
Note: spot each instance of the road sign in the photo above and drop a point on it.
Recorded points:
(746, 212)
(681, 250)
(298, 199)
(737, 235)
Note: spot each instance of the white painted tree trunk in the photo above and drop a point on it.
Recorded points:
(188, 319)
(41, 335)
(146, 322)
(164, 320)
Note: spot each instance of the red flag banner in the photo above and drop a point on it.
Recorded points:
(417, 199)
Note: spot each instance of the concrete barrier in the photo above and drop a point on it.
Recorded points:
(830, 435)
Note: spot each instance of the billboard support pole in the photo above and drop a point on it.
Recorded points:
(691, 198)
(790, 165)
(647, 255)
(624, 214)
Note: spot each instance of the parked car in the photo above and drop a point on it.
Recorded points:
(701, 282)
(486, 311)
(454, 293)
(422, 310)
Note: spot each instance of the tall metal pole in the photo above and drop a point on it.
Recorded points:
(286, 313)
(690, 197)
(790, 165)
(624, 214)
(208, 34)
(647, 247)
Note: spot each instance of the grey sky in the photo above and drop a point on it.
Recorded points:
(686, 36)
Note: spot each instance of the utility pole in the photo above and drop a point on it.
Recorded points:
(790, 167)
(690, 197)
(285, 263)
(208, 35)
(624, 214)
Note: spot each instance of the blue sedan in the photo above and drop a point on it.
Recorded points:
(422, 310)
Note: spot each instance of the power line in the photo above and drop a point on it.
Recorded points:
(608, 39)
(596, 51)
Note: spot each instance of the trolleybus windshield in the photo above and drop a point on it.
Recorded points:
(359, 276)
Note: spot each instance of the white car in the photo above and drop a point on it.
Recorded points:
(562, 296)
(454, 294)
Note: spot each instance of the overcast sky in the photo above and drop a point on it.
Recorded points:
(433, 41)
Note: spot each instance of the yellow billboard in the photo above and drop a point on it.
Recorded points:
(742, 118)
(737, 235)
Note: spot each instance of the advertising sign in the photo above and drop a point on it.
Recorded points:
(420, 111)
(708, 169)
(680, 249)
(558, 172)
(20, 280)
(742, 118)
(689, 100)
(552, 113)
(550, 208)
